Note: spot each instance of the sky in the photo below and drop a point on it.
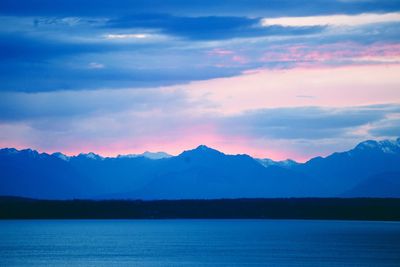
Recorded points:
(270, 78)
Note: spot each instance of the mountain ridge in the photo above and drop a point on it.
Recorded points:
(202, 172)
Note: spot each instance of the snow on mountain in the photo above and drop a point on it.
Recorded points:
(147, 154)
(90, 155)
(283, 163)
(61, 156)
(385, 146)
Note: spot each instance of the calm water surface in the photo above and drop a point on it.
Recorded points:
(199, 243)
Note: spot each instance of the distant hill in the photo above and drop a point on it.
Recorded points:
(370, 169)
(379, 185)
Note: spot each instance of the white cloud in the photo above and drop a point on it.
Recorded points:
(333, 20)
(95, 65)
(127, 36)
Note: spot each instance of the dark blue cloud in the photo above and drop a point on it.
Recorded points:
(366, 34)
(27, 47)
(206, 28)
(44, 76)
(54, 107)
(14, 46)
(194, 7)
(306, 122)
(49, 53)
(37, 62)
(32, 64)
(388, 128)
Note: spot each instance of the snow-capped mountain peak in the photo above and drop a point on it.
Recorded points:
(61, 156)
(91, 155)
(385, 146)
(283, 163)
(147, 154)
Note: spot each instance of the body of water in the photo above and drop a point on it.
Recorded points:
(199, 243)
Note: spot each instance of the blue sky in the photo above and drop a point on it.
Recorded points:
(269, 78)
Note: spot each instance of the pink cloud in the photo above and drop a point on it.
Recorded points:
(220, 52)
(334, 53)
(239, 59)
(226, 58)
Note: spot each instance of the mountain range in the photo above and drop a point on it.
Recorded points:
(371, 169)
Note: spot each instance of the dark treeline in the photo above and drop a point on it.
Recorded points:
(290, 208)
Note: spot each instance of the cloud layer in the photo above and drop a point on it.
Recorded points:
(267, 118)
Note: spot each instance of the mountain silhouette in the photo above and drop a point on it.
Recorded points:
(343, 171)
(379, 185)
(370, 169)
